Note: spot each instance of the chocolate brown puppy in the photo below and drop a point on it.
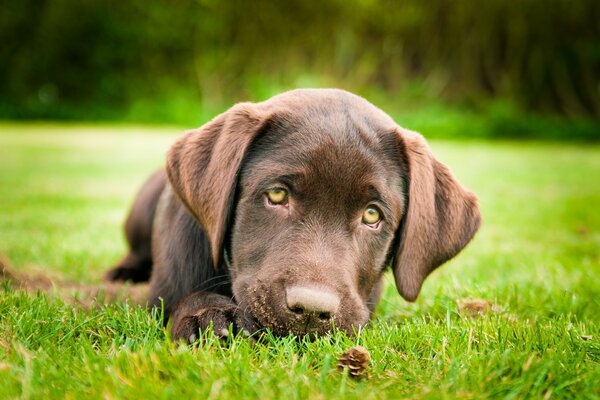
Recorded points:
(285, 214)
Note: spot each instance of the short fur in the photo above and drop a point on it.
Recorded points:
(221, 253)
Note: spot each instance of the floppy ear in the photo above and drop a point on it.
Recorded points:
(203, 166)
(440, 220)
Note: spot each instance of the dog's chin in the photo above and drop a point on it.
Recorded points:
(269, 310)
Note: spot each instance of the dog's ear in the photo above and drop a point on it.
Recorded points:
(203, 167)
(440, 219)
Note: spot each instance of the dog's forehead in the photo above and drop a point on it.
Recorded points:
(323, 108)
(338, 151)
(306, 102)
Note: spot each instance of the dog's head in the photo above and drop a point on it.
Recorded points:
(309, 196)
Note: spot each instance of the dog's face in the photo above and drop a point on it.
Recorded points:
(319, 203)
(309, 196)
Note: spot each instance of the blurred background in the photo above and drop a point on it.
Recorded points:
(493, 69)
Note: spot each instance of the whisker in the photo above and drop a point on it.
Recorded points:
(203, 285)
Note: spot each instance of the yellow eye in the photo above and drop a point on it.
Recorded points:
(371, 216)
(277, 196)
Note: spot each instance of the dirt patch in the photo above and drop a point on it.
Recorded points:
(80, 294)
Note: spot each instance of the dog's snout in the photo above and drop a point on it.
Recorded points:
(311, 302)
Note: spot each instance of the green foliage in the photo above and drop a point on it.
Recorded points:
(182, 61)
(66, 188)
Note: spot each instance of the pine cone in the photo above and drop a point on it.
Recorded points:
(356, 359)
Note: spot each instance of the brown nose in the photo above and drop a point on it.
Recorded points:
(312, 303)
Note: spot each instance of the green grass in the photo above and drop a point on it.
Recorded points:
(415, 106)
(65, 189)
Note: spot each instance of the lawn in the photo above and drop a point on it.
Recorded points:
(65, 189)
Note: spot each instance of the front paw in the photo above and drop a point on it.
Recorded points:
(188, 327)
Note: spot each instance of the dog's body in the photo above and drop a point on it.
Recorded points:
(285, 214)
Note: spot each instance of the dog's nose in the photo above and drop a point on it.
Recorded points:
(312, 303)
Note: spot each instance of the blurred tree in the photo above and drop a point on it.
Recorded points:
(64, 58)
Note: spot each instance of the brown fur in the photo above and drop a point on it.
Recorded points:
(221, 253)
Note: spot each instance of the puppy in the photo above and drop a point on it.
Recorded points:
(285, 214)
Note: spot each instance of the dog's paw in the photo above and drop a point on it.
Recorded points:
(124, 274)
(189, 327)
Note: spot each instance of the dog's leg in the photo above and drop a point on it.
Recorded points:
(185, 283)
(136, 266)
(183, 263)
(201, 310)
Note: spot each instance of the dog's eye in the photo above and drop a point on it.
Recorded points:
(371, 216)
(277, 196)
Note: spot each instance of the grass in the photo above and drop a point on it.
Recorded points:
(415, 106)
(65, 189)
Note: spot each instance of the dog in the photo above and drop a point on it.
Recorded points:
(285, 214)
